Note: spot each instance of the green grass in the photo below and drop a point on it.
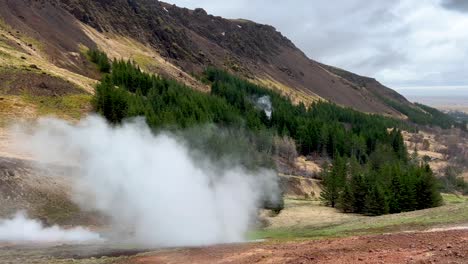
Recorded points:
(455, 211)
(454, 199)
(71, 106)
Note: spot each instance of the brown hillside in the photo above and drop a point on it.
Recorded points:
(177, 42)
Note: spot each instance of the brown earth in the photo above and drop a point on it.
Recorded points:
(431, 247)
(15, 82)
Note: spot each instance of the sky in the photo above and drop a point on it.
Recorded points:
(402, 43)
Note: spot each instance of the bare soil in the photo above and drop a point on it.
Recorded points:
(433, 247)
(36, 84)
(449, 246)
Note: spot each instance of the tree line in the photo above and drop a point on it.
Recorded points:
(362, 147)
(425, 115)
(386, 184)
(100, 59)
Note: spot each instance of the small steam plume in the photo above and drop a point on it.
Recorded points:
(20, 229)
(264, 103)
(154, 191)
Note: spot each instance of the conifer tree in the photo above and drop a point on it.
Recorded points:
(346, 200)
(376, 203)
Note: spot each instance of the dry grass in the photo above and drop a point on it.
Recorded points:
(16, 52)
(310, 167)
(302, 214)
(147, 58)
(15, 108)
(68, 107)
(296, 96)
(26, 108)
(434, 151)
(304, 219)
(297, 187)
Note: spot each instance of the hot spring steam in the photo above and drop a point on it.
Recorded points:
(20, 229)
(154, 191)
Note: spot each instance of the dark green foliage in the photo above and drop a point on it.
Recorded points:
(427, 195)
(323, 128)
(111, 102)
(359, 190)
(346, 201)
(333, 182)
(100, 59)
(376, 203)
(390, 187)
(398, 144)
(424, 115)
(164, 103)
(437, 117)
(371, 173)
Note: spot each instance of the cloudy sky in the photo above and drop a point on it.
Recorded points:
(403, 43)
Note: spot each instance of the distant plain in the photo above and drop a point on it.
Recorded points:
(448, 98)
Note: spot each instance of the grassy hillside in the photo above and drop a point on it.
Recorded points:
(309, 220)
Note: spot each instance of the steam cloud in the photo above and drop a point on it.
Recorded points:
(264, 103)
(154, 191)
(20, 229)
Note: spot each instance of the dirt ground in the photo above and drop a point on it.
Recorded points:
(445, 246)
(431, 247)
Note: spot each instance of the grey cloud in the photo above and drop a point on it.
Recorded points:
(458, 5)
(399, 42)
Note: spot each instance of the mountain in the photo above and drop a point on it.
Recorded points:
(42, 44)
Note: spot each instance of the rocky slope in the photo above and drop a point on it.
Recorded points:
(174, 42)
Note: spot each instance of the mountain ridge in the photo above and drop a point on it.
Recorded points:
(180, 43)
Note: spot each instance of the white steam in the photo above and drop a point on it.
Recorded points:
(154, 191)
(264, 103)
(20, 229)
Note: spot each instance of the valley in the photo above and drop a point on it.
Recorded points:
(142, 132)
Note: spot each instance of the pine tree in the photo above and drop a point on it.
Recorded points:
(395, 194)
(376, 203)
(346, 200)
(331, 187)
(427, 189)
(359, 190)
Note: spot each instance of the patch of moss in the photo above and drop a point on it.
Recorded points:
(68, 107)
(146, 62)
(454, 199)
